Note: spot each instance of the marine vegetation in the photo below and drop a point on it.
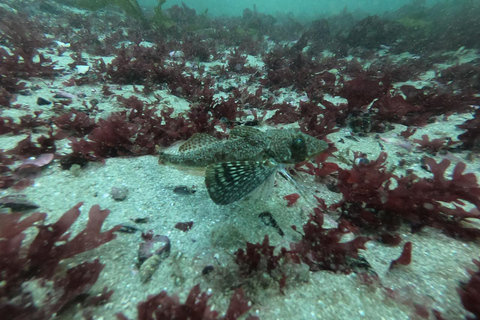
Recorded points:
(26, 268)
(376, 199)
(164, 307)
(470, 293)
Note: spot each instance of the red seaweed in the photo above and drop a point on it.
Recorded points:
(322, 249)
(38, 263)
(184, 226)
(470, 293)
(165, 307)
(435, 145)
(471, 137)
(370, 201)
(259, 257)
(291, 199)
(405, 258)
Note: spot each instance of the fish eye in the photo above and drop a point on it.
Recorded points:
(298, 143)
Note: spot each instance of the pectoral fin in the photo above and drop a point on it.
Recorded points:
(228, 182)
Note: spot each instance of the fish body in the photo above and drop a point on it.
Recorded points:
(249, 157)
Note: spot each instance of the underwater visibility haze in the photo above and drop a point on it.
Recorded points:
(211, 159)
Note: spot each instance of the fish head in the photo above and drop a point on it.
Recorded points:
(294, 146)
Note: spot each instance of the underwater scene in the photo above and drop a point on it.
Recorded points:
(218, 159)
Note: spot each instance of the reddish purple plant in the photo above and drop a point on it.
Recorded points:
(256, 100)
(471, 137)
(19, 34)
(8, 125)
(75, 123)
(319, 122)
(137, 131)
(313, 118)
(291, 199)
(227, 109)
(237, 61)
(184, 226)
(435, 145)
(195, 89)
(30, 122)
(139, 64)
(396, 109)
(362, 90)
(470, 293)
(38, 263)
(418, 108)
(370, 201)
(27, 148)
(290, 67)
(322, 249)
(405, 258)
(164, 307)
(461, 77)
(320, 167)
(286, 113)
(198, 49)
(407, 133)
(321, 84)
(27, 123)
(6, 174)
(259, 257)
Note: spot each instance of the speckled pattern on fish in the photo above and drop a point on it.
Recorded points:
(238, 165)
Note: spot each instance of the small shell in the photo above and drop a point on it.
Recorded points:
(158, 245)
(149, 267)
(17, 202)
(41, 160)
(151, 253)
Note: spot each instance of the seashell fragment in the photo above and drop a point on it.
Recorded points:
(151, 253)
(17, 202)
(149, 267)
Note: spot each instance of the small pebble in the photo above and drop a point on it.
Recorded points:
(43, 102)
(119, 194)
(75, 170)
(208, 269)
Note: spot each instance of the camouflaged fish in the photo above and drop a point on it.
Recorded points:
(237, 166)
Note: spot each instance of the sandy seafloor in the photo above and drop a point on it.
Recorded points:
(439, 262)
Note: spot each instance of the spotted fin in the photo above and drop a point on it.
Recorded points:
(228, 182)
(245, 132)
(197, 141)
